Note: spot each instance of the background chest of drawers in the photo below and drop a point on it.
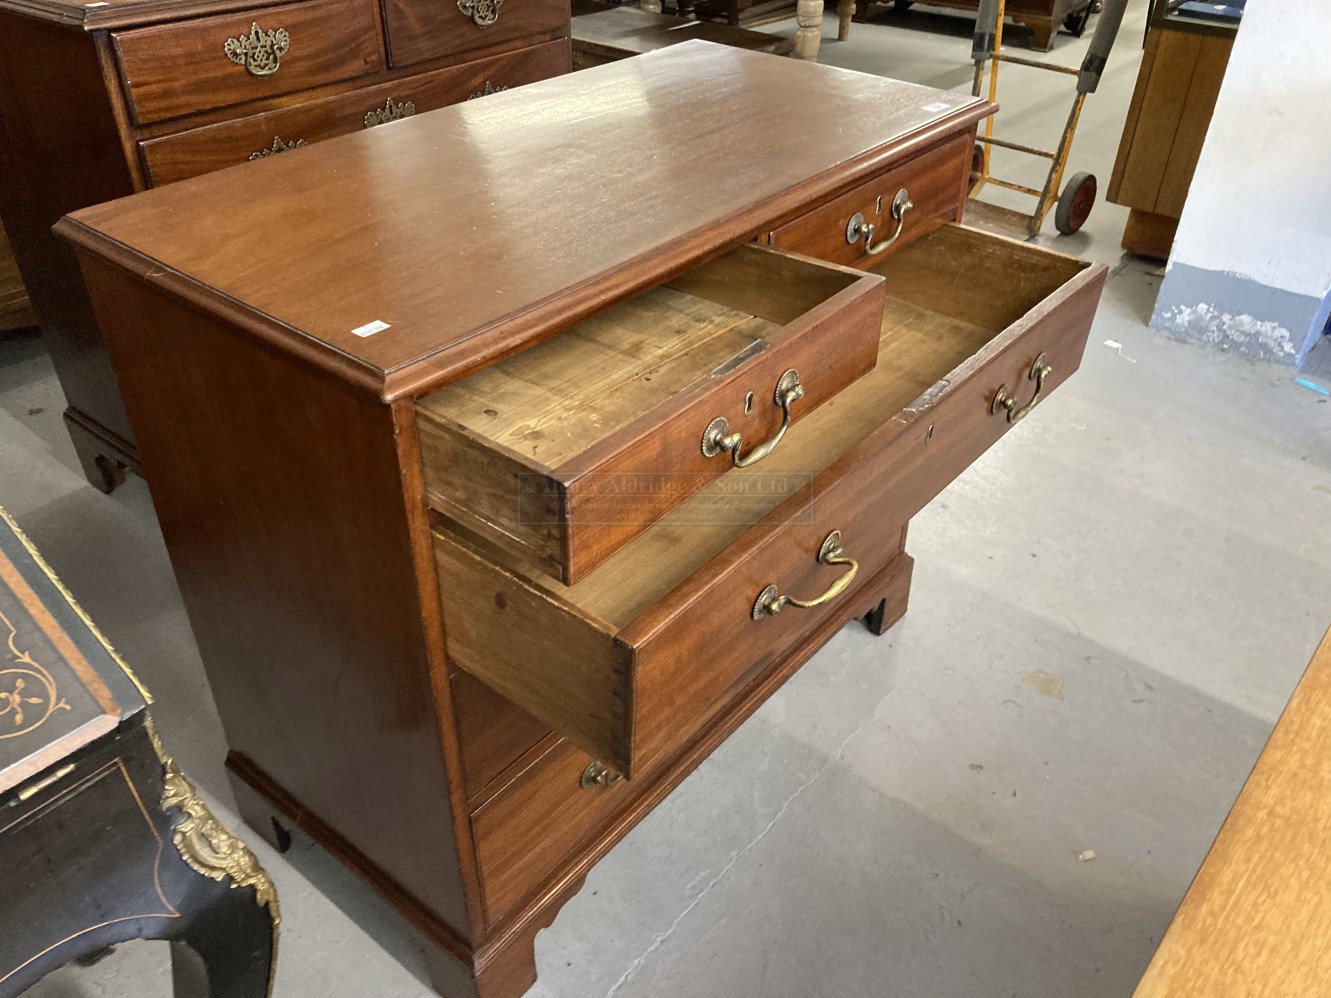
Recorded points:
(503, 495)
(100, 100)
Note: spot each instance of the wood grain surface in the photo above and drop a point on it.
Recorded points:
(420, 31)
(268, 508)
(557, 200)
(1255, 922)
(931, 180)
(205, 149)
(176, 69)
(621, 32)
(631, 661)
(574, 447)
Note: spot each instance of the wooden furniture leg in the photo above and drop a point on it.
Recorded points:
(844, 11)
(809, 33)
(892, 607)
(1044, 30)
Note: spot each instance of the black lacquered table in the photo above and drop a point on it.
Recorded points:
(102, 838)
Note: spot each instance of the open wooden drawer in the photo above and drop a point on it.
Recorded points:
(563, 453)
(626, 664)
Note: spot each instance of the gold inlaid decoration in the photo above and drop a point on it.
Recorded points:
(260, 52)
(487, 90)
(28, 693)
(277, 147)
(391, 111)
(206, 845)
(482, 12)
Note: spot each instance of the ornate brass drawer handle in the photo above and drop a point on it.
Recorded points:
(717, 438)
(857, 228)
(391, 111)
(277, 147)
(769, 603)
(260, 52)
(1002, 400)
(483, 13)
(598, 774)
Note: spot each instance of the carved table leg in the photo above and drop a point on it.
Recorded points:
(118, 846)
(226, 949)
(226, 943)
(809, 33)
(844, 10)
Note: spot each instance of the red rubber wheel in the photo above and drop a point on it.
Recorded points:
(1075, 203)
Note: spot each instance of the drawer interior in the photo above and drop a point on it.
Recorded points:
(554, 402)
(610, 661)
(949, 295)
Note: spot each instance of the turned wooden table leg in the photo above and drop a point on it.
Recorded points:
(844, 10)
(809, 30)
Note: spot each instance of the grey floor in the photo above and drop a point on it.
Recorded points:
(1109, 611)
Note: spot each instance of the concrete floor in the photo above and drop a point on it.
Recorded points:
(1110, 609)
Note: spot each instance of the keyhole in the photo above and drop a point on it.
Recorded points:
(748, 403)
(879, 208)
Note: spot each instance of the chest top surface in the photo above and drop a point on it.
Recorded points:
(61, 686)
(112, 14)
(474, 229)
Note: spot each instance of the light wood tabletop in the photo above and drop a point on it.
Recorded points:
(1256, 920)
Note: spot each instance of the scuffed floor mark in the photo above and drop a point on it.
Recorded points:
(1206, 324)
(1044, 684)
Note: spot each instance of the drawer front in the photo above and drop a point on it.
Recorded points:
(210, 62)
(564, 453)
(629, 680)
(215, 147)
(419, 31)
(936, 184)
(534, 824)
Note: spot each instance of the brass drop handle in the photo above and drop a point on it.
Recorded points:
(598, 774)
(857, 228)
(769, 603)
(718, 439)
(1002, 400)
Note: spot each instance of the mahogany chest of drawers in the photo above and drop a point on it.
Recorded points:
(102, 99)
(510, 458)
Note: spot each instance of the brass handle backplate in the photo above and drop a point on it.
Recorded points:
(858, 229)
(260, 52)
(598, 774)
(1002, 400)
(717, 438)
(391, 111)
(277, 147)
(769, 602)
(483, 13)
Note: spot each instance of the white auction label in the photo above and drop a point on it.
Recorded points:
(370, 328)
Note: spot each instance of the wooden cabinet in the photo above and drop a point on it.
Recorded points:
(476, 578)
(1177, 85)
(1043, 17)
(100, 100)
(15, 310)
